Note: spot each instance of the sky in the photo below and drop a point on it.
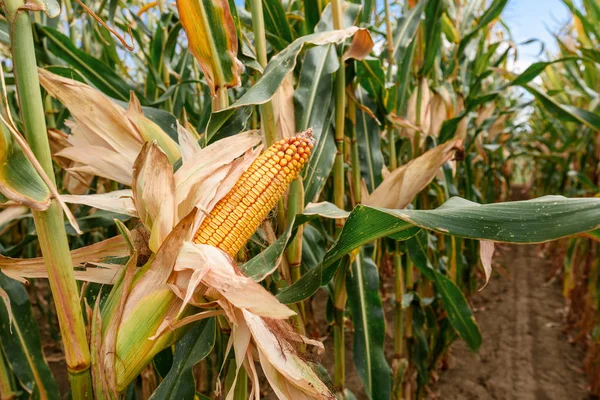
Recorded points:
(534, 19)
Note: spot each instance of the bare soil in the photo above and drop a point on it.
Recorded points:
(526, 354)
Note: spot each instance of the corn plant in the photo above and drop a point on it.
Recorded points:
(188, 253)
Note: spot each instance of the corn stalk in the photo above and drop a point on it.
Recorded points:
(49, 224)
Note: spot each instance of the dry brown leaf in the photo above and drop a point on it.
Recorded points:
(486, 253)
(199, 264)
(289, 375)
(283, 108)
(360, 47)
(154, 193)
(193, 186)
(22, 268)
(439, 113)
(405, 182)
(425, 111)
(12, 213)
(119, 201)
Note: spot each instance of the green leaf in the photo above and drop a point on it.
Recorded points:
(263, 264)
(407, 29)
(312, 99)
(592, 54)
(535, 69)
(564, 112)
(362, 285)
(20, 341)
(179, 384)
(19, 181)
(532, 221)
(97, 73)
(456, 305)
(277, 69)
(277, 28)
(433, 34)
(369, 144)
(492, 12)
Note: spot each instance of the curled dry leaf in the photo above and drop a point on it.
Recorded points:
(119, 201)
(439, 114)
(12, 213)
(287, 373)
(188, 143)
(404, 183)
(199, 264)
(22, 268)
(283, 108)
(195, 184)
(360, 47)
(486, 253)
(105, 137)
(74, 182)
(154, 193)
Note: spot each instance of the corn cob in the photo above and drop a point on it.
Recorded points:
(238, 214)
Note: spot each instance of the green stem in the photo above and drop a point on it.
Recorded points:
(418, 122)
(260, 44)
(399, 364)
(399, 294)
(50, 223)
(70, 20)
(267, 115)
(354, 155)
(339, 295)
(340, 114)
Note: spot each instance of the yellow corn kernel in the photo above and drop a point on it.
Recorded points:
(238, 214)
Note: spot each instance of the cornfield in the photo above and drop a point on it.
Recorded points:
(268, 199)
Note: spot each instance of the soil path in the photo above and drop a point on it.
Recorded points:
(525, 353)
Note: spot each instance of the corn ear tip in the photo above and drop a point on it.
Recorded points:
(308, 134)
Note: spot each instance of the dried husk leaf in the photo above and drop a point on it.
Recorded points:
(149, 131)
(199, 264)
(100, 121)
(461, 129)
(497, 127)
(294, 378)
(187, 142)
(485, 112)
(154, 193)
(404, 183)
(105, 137)
(74, 182)
(192, 179)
